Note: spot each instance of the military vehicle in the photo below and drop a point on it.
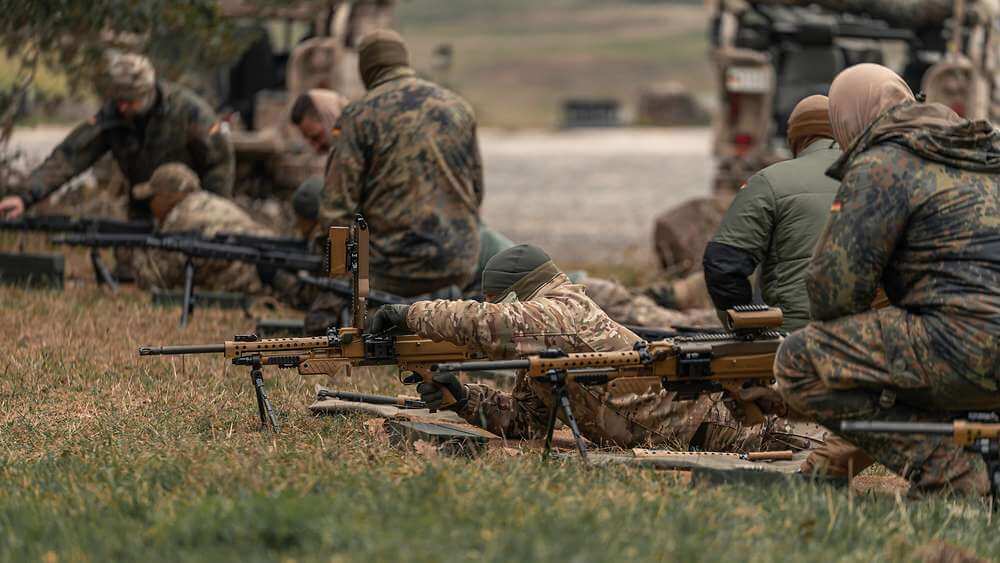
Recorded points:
(299, 46)
(769, 54)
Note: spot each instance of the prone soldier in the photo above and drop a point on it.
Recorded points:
(179, 205)
(531, 306)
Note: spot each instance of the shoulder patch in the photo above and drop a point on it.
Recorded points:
(835, 208)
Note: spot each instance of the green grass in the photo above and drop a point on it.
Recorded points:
(106, 456)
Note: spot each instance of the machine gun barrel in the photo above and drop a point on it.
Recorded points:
(897, 427)
(182, 350)
(485, 365)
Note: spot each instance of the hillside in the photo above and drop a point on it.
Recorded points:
(516, 60)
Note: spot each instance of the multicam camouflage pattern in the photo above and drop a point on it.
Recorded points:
(407, 157)
(630, 308)
(208, 214)
(932, 181)
(180, 127)
(682, 232)
(559, 315)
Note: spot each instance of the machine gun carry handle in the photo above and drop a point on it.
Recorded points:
(347, 253)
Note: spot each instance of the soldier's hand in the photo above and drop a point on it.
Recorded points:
(433, 394)
(767, 399)
(11, 207)
(389, 318)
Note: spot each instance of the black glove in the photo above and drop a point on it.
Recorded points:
(433, 393)
(389, 318)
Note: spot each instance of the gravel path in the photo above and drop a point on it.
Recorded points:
(587, 196)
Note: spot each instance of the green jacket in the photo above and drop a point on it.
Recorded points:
(774, 222)
(180, 127)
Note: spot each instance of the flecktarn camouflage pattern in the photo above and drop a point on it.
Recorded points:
(932, 180)
(407, 157)
(180, 127)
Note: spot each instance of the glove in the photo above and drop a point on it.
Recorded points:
(389, 318)
(766, 399)
(433, 393)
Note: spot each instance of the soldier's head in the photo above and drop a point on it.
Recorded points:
(859, 95)
(516, 274)
(315, 114)
(809, 122)
(305, 203)
(168, 186)
(128, 80)
(379, 52)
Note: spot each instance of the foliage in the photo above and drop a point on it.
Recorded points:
(70, 35)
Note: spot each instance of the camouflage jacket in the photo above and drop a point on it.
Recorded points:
(407, 157)
(180, 127)
(558, 315)
(208, 214)
(933, 181)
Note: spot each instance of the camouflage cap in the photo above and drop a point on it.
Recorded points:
(127, 76)
(520, 270)
(174, 178)
(305, 200)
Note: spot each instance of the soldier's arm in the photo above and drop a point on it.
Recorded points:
(500, 330)
(75, 154)
(868, 216)
(344, 175)
(209, 143)
(740, 244)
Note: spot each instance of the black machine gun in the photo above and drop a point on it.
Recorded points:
(54, 224)
(262, 251)
(978, 432)
(691, 366)
(340, 349)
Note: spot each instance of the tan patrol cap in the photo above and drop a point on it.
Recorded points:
(173, 178)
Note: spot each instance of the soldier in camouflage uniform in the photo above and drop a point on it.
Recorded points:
(917, 212)
(144, 124)
(406, 155)
(179, 205)
(532, 306)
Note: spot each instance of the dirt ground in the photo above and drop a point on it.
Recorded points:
(587, 196)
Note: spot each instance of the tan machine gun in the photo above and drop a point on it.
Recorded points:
(342, 348)
(730, 361)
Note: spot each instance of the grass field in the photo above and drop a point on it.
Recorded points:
(516, 60)
(106, 456)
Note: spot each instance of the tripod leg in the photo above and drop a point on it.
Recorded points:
(550, 429)
(571, 420)
(101, 271)
(188, 305)
(268, 421)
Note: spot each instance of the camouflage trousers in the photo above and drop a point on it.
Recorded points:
(840, 370)
(657, 419)
(631, 308)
